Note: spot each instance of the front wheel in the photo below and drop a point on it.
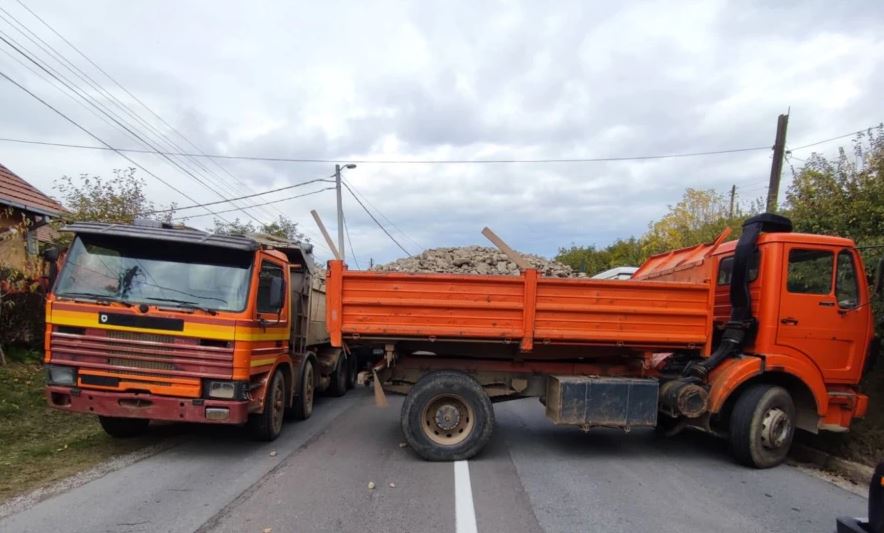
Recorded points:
(447, 416)
(123, 428)
(762, 426)
(267, 425)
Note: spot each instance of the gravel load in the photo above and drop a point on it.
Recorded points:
(474, 260)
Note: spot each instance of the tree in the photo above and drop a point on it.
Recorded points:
(120, 199)
(282, 227)
(698, 217)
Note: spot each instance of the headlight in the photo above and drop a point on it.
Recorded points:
(61, 375)
(226, 390)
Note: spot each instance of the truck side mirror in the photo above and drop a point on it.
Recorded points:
(50, 256)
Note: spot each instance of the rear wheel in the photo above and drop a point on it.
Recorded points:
(302, 407)
(267, 425)
(123, 428)
(351, 370)
(447, 416)
(339, 378)
(762, 425)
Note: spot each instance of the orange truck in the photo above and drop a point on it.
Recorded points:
(747, 340)
(153, 322)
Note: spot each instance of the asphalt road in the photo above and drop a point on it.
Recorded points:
(532, 477)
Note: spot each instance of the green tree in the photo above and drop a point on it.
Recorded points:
(282, 227)
(120, 199)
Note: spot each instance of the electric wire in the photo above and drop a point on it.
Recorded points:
(91, 81)
(376, 221)
(87, 132)
(91, 101)
(385, 217)
(350, 242)
(187, 217)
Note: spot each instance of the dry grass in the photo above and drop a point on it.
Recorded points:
(39, 445)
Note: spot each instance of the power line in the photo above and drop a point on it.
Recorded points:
(350, 242)
(392, 161)
(65, 61)
(851, 134)
(265, 203)
(300, 184)
(75, 123)
(385, 217)
(70, 86)
(376, 220)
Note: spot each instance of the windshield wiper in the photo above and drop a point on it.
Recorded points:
(184, 303)
(97, 298)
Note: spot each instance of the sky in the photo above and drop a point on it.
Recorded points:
(467, 81)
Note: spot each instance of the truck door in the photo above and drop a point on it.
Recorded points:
(820, 309)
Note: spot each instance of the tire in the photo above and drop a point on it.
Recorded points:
(351, 370)
(338, 386)
(302, 407)
(762, 425)
(267, 425)
(447, 416)
(123, 428)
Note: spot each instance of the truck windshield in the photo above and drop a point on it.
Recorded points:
(155, 272)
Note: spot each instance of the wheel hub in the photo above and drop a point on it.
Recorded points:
(447, 417)
(775, 428)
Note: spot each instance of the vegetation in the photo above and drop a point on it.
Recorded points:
(48, 444)
(282, 227)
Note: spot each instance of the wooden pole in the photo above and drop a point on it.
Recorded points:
(733, 194)
(326, 236)
(776, 166)
(503, 247)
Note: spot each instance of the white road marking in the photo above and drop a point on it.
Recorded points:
(465, 514)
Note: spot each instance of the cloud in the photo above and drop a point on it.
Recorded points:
(463, 80)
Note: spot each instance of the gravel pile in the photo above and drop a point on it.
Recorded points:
(473, 260)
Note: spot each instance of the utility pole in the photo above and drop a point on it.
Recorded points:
(340, 212)
(733, 194)
(776, 167)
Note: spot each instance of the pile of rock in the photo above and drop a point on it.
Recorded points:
(473, 260)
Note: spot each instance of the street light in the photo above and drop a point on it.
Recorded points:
(341, 207)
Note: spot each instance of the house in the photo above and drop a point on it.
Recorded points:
(25, 212)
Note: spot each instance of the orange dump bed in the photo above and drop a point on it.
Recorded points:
(526, 309)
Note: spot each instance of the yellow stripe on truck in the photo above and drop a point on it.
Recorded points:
(262, 362)
(223, 332)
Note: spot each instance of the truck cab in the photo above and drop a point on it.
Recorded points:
(153, 322)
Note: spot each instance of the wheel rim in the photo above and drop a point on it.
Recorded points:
(448, 420)
(308, 388)
(277, 405)
(776, 426)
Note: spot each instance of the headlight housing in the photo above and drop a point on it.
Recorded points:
(226, 390)
(61, 375)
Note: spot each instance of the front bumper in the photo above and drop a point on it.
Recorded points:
(150, 406)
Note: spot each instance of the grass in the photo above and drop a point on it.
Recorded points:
(39, 445)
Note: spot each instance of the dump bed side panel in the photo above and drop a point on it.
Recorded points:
(628, 312)
(390, 306)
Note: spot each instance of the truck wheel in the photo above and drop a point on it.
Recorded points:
(339, 378)
(267, 425)
(351, 370)
(123, 428)
(303, 405)
(762, 425)
(447, 416)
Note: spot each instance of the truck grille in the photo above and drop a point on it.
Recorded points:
(152, 355)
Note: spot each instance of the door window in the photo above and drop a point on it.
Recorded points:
(271, 288)
(846, 285)
(810, 271)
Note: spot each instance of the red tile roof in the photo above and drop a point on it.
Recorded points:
(17, 192)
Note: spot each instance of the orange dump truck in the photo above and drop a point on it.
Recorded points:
(153, 322)
(746, 339)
